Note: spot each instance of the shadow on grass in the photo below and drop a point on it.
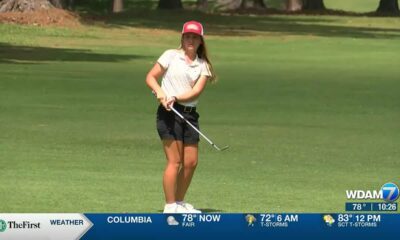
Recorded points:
(27, 54)
(210, 210)
(238, 25)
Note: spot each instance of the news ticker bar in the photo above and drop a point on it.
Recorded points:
(371, 207)
(291, 226)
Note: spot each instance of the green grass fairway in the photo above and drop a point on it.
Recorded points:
(310, 107)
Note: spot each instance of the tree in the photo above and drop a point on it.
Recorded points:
(202, 4)
(58, 3)
(293, 5)
(259, 4)
(170, 4)
(118, 6)
(388, 6)
(63, 3)
(313, 5)
(32, 5)
(252, 4)
(224, 5)
(71, 4)
(24, 5)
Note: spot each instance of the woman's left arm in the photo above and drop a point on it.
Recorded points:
(195, 92)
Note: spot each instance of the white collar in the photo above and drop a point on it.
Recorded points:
(195, 62)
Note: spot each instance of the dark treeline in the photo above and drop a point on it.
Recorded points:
(383, 6)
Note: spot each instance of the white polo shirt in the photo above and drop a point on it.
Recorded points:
(180, 77)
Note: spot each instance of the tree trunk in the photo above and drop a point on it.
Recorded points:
(313, 5)
(58, 3)
(259, 4)
(388, 6)
(118, 6)
(247, 4)
(24, 5)
(71, 4)
(294, 5)
(226, 5)
(252, 4)
(202, 5)
(170, 4)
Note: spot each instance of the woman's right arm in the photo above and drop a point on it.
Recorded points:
(151, 80)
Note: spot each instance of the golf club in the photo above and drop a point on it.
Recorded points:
(197, 130)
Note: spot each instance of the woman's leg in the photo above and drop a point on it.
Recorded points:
(190, 157)
(174, 152)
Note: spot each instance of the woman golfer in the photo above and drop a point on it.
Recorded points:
(185, 72)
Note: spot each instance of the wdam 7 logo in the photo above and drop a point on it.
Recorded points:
(390, 192)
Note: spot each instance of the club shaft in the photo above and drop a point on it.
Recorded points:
(197, 130)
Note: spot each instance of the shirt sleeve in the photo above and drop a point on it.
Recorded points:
(205, 70)
(165, 59)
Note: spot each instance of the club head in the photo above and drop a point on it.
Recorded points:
(221, 149)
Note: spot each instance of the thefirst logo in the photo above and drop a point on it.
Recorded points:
(3, 225)
(390, 192)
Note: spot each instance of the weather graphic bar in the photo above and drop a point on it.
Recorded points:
(363, 226)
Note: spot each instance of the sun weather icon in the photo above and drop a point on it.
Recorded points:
(250, 219)
(329, 220)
